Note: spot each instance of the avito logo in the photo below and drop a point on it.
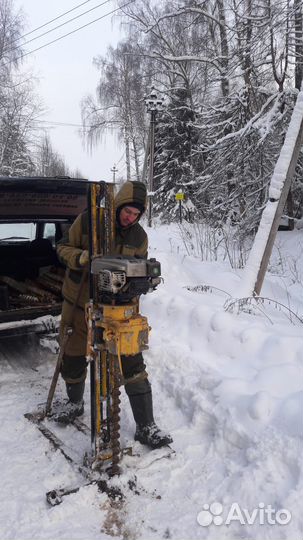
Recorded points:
(262, 514)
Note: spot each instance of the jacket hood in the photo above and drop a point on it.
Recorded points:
(131, 192)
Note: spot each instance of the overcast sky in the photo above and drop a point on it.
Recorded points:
(66, 74)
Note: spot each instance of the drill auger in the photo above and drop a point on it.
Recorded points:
(116, 329)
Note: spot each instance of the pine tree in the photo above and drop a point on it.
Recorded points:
(176, 140)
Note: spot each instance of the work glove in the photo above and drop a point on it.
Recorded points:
(84, 257)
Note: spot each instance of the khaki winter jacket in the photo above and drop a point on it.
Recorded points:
(130, 241)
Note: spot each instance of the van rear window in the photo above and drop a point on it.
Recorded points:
(17, 232)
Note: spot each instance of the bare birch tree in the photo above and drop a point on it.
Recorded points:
(119, 103)
(19, 108)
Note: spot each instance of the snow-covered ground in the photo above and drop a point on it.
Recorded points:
(227, 385)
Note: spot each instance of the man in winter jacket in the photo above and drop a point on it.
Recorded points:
(72, 250)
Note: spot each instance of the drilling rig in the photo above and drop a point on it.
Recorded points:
(115, 326)
(115, 329)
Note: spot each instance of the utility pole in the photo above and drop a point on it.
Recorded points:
(114, 170)
(279, 187)
(153, 105)
(298, 43)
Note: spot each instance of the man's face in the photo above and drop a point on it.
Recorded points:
(128, 215)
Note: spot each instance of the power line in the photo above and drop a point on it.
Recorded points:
(52, 20)
(121, 158)
(52, 123)
(58, 26)
(72, 32)
(67, 124)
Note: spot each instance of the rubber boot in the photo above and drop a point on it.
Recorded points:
(75, 391)
(147, 431)
(74, 406)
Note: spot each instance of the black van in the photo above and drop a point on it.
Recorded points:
(34, 211)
